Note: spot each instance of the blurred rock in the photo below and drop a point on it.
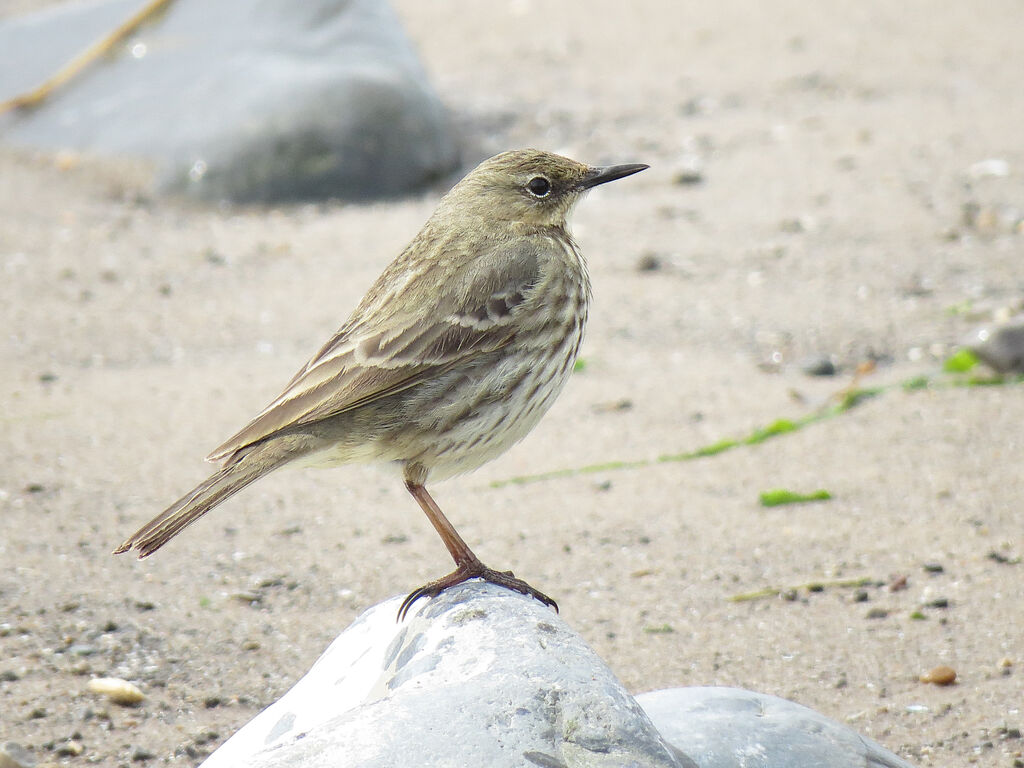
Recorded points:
(14, 755)
(727, 727)
(1001, 347)
(818, 365)
(992, 167)
(689, 171)
(483, 676)
(237, 100)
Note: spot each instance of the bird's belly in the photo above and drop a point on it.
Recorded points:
(506, 403)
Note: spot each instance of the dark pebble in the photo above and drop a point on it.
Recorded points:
(688, 177)
(818, 366)
(649, 262)
(1002, 559)
(877, 613)
(141, 755)
(939, 602)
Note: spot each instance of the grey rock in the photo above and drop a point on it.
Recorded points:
(1001, 346)
(13, 755)
(818, 365)
(483, 676)
(477, 676)
(245, 100)
(728, 727)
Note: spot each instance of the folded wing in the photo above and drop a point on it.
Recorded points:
(415, 329)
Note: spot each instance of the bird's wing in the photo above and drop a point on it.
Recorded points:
(406, 331)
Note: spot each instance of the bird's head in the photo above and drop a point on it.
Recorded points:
(531, 187)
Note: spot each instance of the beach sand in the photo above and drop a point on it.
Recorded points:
(814, 192)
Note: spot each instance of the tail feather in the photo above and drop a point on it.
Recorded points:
(219, 486)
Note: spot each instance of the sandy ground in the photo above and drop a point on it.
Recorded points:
(836, 143)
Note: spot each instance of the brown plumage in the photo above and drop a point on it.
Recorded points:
(453, 355)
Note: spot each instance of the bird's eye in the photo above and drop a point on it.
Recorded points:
(539, 186)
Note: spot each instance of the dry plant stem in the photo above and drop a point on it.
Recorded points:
(775, 591)
(80, 62)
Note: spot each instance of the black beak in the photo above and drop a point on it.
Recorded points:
(608, 173)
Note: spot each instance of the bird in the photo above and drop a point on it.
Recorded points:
(451, 357)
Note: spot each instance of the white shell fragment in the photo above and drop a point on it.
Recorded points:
(117, 690)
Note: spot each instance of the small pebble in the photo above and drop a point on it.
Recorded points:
(1002, 559)
(70, 748)
(117, 690)
(933, 568)
(612, 406)
(940, 675)
(819, 365)
(1000, 346)
(649, 262)
(141, 755)
(254, 597)
(860, 596)
(877, 613)
(897, 582)
(939, 602)
(990, 167)
(689, 172)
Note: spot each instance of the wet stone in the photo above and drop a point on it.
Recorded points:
(234, 100)
(13, 755)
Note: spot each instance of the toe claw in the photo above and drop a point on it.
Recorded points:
(468, 571)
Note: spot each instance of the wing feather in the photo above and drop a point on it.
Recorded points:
(387, 347)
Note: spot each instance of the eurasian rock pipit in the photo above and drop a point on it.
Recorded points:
(453, 355)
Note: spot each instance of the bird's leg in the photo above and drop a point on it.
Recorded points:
(467, 565)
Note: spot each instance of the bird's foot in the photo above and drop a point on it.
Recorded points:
(473, 570)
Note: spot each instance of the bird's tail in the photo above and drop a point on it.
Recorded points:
(221, 485)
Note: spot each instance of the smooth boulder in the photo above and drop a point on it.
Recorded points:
(246, 101)
(725, 727)
(484, 676)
